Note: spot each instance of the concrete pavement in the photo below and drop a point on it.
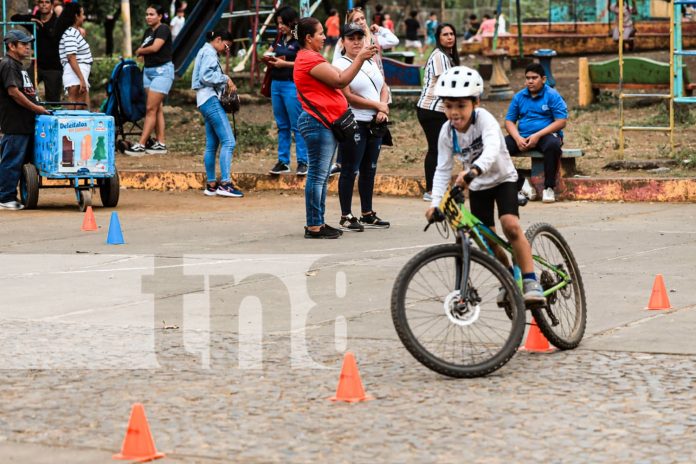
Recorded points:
(230, 327)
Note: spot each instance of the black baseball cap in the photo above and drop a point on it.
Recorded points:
(15, 35)
(351, 29)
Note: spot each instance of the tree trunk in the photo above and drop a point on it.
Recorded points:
(127, 51)
(15, 7)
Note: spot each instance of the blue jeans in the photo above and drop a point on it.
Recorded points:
(360, 157)
(286, 110)
(321, 145)
(13, 153)
(218, 132)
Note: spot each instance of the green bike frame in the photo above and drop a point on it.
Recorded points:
(463, 222)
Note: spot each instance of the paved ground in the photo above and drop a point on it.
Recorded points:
(230, 328)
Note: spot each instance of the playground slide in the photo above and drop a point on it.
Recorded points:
(204, 17)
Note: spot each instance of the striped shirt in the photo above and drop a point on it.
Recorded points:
(72, 43)
(437, 64)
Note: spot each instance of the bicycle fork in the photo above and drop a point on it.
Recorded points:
(466, 294)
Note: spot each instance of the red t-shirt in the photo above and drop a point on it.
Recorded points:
(332, 27)
(329, 101)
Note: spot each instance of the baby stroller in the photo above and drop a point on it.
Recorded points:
(125, 101)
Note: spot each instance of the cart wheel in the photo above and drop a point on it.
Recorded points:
(84, 199)
(121, 145)
(29, 186)
(109, 190)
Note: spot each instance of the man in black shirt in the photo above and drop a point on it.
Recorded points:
(412, 28)
(49, 70)
(17, 109)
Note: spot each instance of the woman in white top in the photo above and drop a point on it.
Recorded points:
(374, 35)
(75, 55)
(430, 111)
(367, 95)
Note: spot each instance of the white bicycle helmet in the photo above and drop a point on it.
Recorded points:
(459, 82)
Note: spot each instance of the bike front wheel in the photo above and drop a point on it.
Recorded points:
(564, 317)
(455, 335)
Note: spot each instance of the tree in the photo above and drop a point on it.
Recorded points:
(16, 6)
(100, 151)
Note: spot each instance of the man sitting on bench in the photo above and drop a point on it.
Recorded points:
(535, 119)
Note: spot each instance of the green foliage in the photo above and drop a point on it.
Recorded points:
(687, 158)
(101, 72)
(255, 137)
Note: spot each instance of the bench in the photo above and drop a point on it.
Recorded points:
(405, 57)
(639, 74)
(402, 78)
(567, 167)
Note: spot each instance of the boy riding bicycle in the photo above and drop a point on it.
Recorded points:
(473, 136)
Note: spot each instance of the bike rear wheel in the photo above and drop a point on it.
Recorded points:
(564, 318)
(454, 340)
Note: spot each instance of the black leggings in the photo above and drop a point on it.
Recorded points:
(431, 122)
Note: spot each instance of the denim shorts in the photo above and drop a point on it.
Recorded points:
(159, 78)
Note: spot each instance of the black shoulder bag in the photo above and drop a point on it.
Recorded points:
(377, 129)
(344, 128)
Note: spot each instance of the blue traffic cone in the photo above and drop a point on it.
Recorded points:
(115, 235)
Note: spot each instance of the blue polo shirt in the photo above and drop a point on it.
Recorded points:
(534, 113)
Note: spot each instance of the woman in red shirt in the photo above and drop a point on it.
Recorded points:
(318, 83)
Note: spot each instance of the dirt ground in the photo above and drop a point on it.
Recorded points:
(593, 129)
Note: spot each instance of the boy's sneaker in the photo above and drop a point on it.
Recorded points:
(528, 191)
(210, 189)
(335, 169)
(227, 189)
(135, 150)
(323, 232)
(351, 224)
(301, 169)
(156, 149)
(533, 293)
(548, 196)
(372, 221)
(12, 205)
(280, 168)
(427, 196)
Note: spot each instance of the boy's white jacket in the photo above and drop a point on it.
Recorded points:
(482, 145)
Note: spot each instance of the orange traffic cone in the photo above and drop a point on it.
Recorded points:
(138, 444)
(350, 387)
(536, 342)
(89, 224)
(658, 297)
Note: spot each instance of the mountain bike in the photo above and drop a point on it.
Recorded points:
(460, 312)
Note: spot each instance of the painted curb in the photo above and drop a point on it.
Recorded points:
(578, 189)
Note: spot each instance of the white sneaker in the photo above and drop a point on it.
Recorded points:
(12, 205)
(135, 150)
(157, 149)
(427, 196)
(548, 195)
(528, 191)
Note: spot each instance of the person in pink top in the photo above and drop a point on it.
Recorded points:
(318, 89)
(487, 29)
(388, 23)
